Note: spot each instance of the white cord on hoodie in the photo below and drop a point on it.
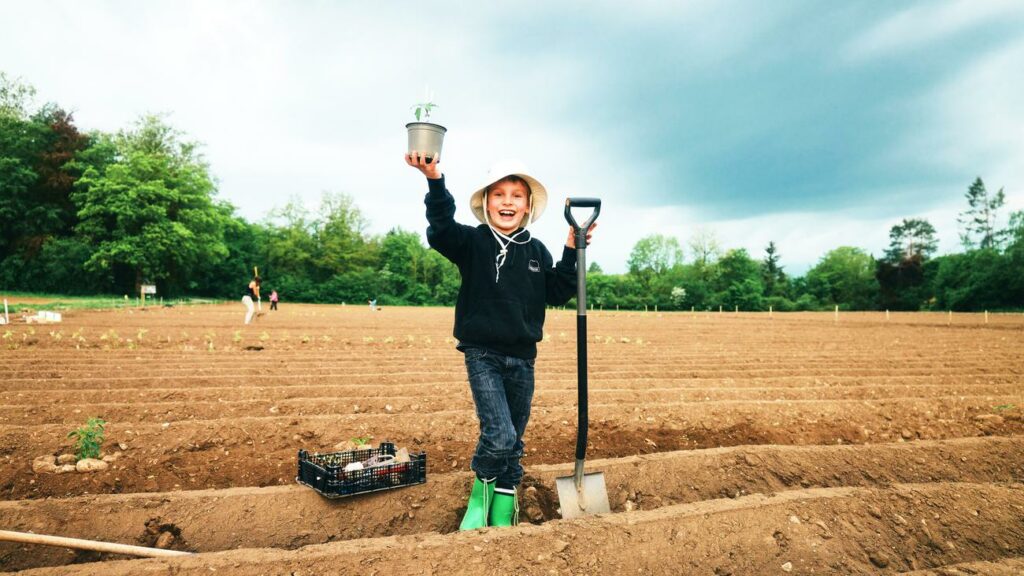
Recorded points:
(499, 258)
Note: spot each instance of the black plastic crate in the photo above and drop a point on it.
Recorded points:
(326, 474)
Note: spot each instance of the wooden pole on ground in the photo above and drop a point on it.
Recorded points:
(95, 545)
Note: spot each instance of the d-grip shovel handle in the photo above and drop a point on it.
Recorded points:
(581, 323)
(581, 231)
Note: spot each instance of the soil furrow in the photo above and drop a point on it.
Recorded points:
(208, 520)
(822, 530)
(253, 451)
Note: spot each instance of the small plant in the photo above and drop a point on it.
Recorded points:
(361, 441)
(1002, 407)
(141, 332)
(237, 336)
(423, 108)
(88, 438)
(264, 337)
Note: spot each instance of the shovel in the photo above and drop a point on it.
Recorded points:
(581, 494)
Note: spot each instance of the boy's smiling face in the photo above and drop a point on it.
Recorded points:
(507, 205)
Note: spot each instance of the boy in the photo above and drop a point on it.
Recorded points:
(507, 280)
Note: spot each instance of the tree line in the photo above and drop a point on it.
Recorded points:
(102, 213)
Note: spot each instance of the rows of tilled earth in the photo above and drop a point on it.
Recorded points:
(730, 443)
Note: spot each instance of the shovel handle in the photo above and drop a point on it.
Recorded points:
(580, 231)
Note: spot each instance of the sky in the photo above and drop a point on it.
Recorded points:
(811, 124)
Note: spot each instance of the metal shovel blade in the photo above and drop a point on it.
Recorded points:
(582, 494)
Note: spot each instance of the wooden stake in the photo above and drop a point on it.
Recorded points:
(986, 316)
(886, 315)
(837, 313)
(95, 545)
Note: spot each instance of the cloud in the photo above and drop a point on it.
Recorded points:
(814, 125)
(927, 24)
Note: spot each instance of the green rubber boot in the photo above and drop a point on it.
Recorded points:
(479, 505)
(505, 508)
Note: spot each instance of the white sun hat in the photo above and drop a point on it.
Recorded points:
(501, 169)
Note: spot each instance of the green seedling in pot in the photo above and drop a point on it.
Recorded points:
(423, 109)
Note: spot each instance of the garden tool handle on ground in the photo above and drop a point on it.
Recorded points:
(581, 322)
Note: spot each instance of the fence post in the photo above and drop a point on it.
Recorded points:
(986, 316)
(769, 311)
(837, 313)
(949, 319)
(887, 315)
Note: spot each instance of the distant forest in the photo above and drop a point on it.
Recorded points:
(101, 213)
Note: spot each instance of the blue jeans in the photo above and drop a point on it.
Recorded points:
(502, 389)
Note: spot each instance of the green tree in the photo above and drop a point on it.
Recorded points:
(291, 248)
(978, 222)
(739, 281)
(15, 97)
(900, 274)
(913, 237)
(705, 247)
(151, 212)
(340, 233)
(772, 275)
(844, 276)
(654, 255)
(977, 280)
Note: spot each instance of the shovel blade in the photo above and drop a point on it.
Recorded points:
(590, 498)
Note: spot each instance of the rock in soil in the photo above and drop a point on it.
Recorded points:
(165, 541)
(91, 465)
(44, 464)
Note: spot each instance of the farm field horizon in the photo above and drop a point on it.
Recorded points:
(731, 443)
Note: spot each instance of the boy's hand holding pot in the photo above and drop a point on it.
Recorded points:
(418, 161)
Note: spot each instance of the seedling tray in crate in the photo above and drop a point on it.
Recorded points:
(326, 473)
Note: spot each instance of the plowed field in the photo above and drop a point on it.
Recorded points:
(730, 443)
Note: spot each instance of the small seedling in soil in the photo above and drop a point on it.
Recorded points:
(237, 336)
(88, 438)
(361, 441)
(1002, 407)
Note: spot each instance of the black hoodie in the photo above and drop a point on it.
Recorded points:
(507, 315)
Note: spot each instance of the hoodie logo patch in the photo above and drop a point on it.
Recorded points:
(534, 266)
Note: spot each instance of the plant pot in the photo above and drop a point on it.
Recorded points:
(426, 138)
